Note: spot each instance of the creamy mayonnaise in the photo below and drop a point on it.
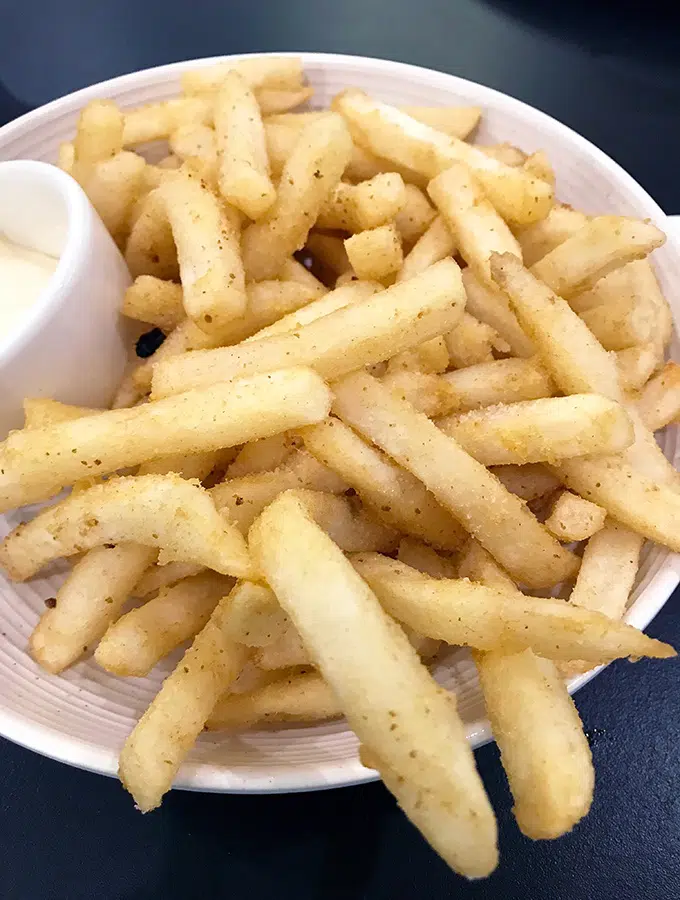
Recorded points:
(23, 276)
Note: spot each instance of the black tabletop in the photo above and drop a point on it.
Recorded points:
(612, 72)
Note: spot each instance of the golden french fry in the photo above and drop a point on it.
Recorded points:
(434, 244)
(529, 481)
(491, 307)
(41, 411)
(37, 463)
(99, 133)
(476, 564)
(295, 697)
(394, 495)
(431, 356)
(150, 248)
(574, 519)
(375, 254)
(636, 365)
(272, 101)
(88, 601)
(243, 163)
(659, 401)
(142, 637)
(627, 324)
(156, 301)
(309, 176)
(196, 145)
(416, 215)
(471, 342)
(536, 240)
(157, 121)
(283, 72)
(286, 651)
(542, 430)
(424, 558)
(428, 748)
(157, 577)
(112, 186)
(143, 509)
(280, 139)
(502, 381)
(505, 153)
(263, 455)
(154, 751)
(489, 618)
(255, 616)
(608, 570)
(357, 335)
(369, 204)
(456, 121)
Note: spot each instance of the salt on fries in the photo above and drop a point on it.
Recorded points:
(366, 423)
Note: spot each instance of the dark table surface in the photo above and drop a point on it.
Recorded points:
(612, 72)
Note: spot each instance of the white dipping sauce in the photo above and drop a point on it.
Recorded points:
(23, 277)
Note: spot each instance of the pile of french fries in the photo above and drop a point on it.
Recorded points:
(406, 399)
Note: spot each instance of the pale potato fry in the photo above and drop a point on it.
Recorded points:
(37, 463)
(431, 356)
(364, 332)
(155, 301)
(189, 465)
(142, 637)
(208, 251)
(502, 381)
(536, 240)
(150, 248)
(461, 484)
(284, 72)
(255, 616)
(542, 430)
(41, 411)
(477, 565)
(603, 244)
(636, 365)
(295, 697)
(353, 530)
(477, 229)
(461, 612)
(492, 307)
(375, 254)
(243, 163)
(280, 139)
(628, 324)
(99, 134)
(529, 481)
(273, 100)
(608, 570)
(294, 271)
(330, 252)
(505, 153)
(471, 342)
(144, 509)
(196, 145)
(457, 121)
(659, 401)
(154, 751)
(88, 601)
(309, 176)
(157, 121)
(297, 558)
(112, 186)
(286, 651)
(434, 244)
(519, 197)
(156, 577)
(574, 519)
(127, 393)
(357, 207)
(416, 216)
(263, 455)
(394, 495)
(424, 558)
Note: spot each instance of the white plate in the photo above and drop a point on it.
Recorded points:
(83, 716)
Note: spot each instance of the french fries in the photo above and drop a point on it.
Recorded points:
(456, 121)
(434, 244)
(529, 481)
(659, 401)
(276, 72)
(375, 255)
(139, 639)
(356, 335)
(150, 248)
(255, 616)
(462, 485)
(428, 746)
(471, 342)
(537, 240)
(368, 204)
(491, 307)
(158, 121)
(155, 301)
(628, 324)
(163, 511)
(99, 134)
(574, 519)
(415, 216)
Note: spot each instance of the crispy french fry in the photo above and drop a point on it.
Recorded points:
(359, 334)
(424, 558)
(574, 519)
(434, 244)
(150, 248)
(491, 307)
(487, 618)
(297, 559)
(375, 254)
(144, 509)
(659, 402)
(142, 637)
(41, 411)
(416, 215)
(529, 481)
(243, 163)
(542, 430)
(280, 72)
(536, 240)
(461, 484)
(89, 600)
(369, 204)
(395, 495)
(157, 121)
(471, 342)
(310, 174)
(37, 463)
(112, 186)
(255, 616)
(608, 570)
(431, 356)
(196, 145)
(152, 300)
(160, 741)
(502, 381)
(99, 134)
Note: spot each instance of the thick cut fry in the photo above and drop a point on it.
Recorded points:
(209, 258)
(544, 751)
(415, 217)
(498, 519)
(36, 464)
(628, 324)
(41, 411)
(529, 482)
(88, 601)
(357, 207)
(165, 734)
(462, 612)
(636, 365)
(471, 342)
(99, 133)
(278, 72)
(542, 430)
(157, 121)
(574, 519)
(142, 637)
(242, 153)
(152, 300)
(296, 697)
(456, 121)
(434, 244)
(395, 495)
(376, 683)
(255, 616)
(659, 402)
(608, 570)
(375, 254)
(424, 558)
(162, 511)
(491, 307)
(112, 186)
(603, 244)
(357, 335)
(150, 248)
(562, 222)
(477, 229)
(310, 174)
(519, 197)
